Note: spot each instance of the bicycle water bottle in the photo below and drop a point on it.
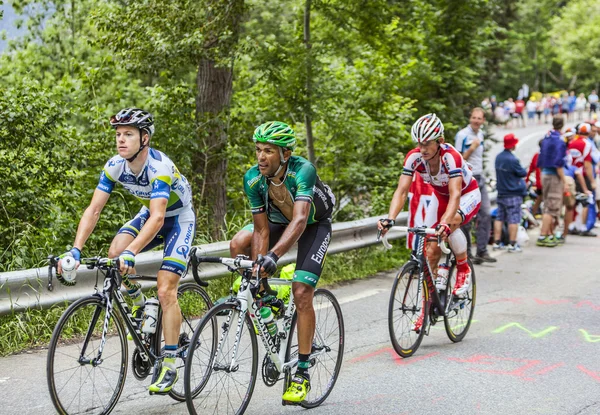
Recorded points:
(150, 316)
(442, 278)
(68, 268)
(267, 318)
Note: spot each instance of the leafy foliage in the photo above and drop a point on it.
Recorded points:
(370, 69)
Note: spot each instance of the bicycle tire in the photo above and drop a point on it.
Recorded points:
(208, 366)
(461, 309)
(326, 337)
(194, 303)
(401, 327)
(64, 350)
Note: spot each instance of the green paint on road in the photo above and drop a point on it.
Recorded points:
(590, 338)
(532, 334)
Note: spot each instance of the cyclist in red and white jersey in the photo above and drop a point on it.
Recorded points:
(442, 166)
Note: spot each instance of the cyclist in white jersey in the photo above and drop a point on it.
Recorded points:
(167, 216)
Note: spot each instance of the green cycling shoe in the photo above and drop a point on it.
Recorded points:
(165, 381)
(297, 391)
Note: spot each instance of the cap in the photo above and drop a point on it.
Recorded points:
(510, 141)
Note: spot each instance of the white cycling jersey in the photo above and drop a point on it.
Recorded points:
(159, 178)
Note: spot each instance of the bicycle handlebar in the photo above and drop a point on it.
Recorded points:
(422, 231)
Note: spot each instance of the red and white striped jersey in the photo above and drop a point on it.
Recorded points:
(452, 165)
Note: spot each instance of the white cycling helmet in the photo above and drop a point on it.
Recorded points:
(427, 128)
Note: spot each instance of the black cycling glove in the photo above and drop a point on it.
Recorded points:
(268, 262)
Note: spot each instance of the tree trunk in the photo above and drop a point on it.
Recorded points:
(308, 108)
(210, 163)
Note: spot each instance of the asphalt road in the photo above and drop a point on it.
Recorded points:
(532, 349)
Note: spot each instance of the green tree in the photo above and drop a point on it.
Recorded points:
(576, 33)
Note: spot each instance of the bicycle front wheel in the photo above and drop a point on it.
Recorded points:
(407, 311)
(460, 311)
(327, 348)
(222, 362)
(77, 383)
(194, 303)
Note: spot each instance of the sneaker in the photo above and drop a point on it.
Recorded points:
(165, 381)
(560, 239)
(574, 232)
(588, 233)
(498, 247)
(463, 282)
(547, 241)
(297, 390)
(137, 311)
(418, 324)
(485, 257)
(514, 248)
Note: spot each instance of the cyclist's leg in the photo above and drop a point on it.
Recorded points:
(241, 242)
(312, 250)
(178, 232)
(468, 207)
(120, 242)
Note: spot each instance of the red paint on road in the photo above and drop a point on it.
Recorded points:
(399, 360)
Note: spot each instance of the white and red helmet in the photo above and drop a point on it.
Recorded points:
(427, 128)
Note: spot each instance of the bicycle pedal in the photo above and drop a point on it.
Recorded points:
(289, 403)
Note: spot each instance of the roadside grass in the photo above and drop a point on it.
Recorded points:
(33, 329)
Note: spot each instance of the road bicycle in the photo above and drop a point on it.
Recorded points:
(414, 296)
(87, 356)
(222, 365)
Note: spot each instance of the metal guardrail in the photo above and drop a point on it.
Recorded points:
(22, 290)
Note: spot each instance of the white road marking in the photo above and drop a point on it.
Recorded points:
(360, 296)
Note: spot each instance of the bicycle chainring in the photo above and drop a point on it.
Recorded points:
(270, 374)
(141, 369)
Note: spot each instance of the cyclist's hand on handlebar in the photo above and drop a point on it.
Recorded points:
(442, 231)
(384, 225)
(268, 263)
(127, 262)
(75, 253)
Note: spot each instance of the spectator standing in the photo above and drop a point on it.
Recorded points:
(533, 168)
(580, 104)
(546, 104)
(580, 150)
(551, 161)
(531, 109)
(511, 190)
(499, 115)
(469, 141)
(593, 100)
(519, 112)
(509, 108)
(572, 100)
(571, 175)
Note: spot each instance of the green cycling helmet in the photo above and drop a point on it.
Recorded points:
(277, 133)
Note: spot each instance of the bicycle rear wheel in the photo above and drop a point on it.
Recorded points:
(460, 312)
(194, 303)
(212, 380)
(76, 385)
(407, 311)
(327, 349)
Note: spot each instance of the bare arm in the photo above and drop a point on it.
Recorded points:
(260, 237)
(90, 217)
(294, 230)
(581, 181)
(158, 208)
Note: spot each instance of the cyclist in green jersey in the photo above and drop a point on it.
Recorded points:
(289, 204)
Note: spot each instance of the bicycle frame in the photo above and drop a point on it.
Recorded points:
(418, 256)
(110, 292)
(276, 348)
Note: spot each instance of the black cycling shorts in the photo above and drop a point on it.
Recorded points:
(312, 250)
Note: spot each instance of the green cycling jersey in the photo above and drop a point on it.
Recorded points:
(302, 183)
